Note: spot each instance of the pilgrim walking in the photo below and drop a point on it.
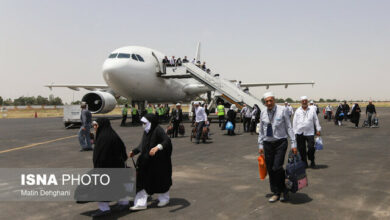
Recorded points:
(154, 167)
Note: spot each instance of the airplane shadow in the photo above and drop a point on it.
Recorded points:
(176, 203)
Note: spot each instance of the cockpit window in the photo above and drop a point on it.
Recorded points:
(134, 57)
(113, 55)
(123, 55)
(140, 58)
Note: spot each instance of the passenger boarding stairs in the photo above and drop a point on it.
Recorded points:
(228, 90)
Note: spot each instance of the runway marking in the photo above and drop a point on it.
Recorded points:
(36, 144)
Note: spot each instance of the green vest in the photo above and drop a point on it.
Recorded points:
(124, 111)
(150, 110)
(160, 111)
(135, 111)
(221, 110)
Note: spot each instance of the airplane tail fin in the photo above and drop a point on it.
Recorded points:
(197, 56)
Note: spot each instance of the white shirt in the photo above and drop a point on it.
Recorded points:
(314, 107)
(246, 111)
(200, 114)
(253, 113)
(305, 120)
(290, 110)
(281, 126)
(172, 61)
(328, 108)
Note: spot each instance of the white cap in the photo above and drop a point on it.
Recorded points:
(178, 104)
(268, 94)
(196, 103)
(304, 98)
(311, 102)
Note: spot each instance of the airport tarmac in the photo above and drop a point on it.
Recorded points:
(217, 180)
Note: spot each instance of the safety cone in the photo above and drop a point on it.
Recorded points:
(36, 115)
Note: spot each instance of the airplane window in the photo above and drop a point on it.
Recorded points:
(123, 55)
(140, 58)
(134, 57)
(113, 55)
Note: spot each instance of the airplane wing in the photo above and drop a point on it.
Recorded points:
(77, 87)
(275, 84)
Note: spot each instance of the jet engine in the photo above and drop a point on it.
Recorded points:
(99, 102)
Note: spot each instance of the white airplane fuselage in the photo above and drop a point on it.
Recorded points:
(138, 80)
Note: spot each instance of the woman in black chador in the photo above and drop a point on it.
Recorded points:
(355, 115)
(109, 152)
(154, 167)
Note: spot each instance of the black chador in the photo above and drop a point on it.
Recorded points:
(154, 173)
(109, 151)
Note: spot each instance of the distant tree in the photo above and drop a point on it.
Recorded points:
(56, 101)
(42, 100)
(1, 100)
(289, 100)
(30, 100)
(78, 102)
(321, 100)
(263, 101)
(8, 102)
(20, 101)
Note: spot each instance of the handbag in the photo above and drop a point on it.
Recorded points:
(229, 126)
(319, 145)
(262, 167)
(169, 129)
(182, 130)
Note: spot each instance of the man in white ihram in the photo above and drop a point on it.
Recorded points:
(304, 122)
(275, 127)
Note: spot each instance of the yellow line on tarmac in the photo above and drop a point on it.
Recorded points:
(36, 144)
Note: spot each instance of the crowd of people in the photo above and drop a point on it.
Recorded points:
(345, 113)
(275, 126)
(175, 62)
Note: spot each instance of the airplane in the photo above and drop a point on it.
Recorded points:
(134, 72)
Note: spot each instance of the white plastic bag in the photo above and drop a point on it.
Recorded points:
(319, 145)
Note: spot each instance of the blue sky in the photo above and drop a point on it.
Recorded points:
(341, 45)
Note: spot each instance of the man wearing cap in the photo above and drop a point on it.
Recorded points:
(200, 119)
(290, 109)
(275, 127)
(177, 117)
(304, 119)
(246, 115)
(84, 132)
(315, 107)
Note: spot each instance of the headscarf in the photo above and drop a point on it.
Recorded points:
(147, 124)
(153, 120)
(233, 107)
(108, 144)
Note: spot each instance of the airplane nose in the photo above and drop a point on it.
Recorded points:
(112, 69)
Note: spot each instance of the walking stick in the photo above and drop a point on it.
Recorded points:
(135, 166)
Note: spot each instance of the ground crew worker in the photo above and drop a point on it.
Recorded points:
(221, 113)
(160, 112)
(124, 115)
(149, 109)
(135, 115)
